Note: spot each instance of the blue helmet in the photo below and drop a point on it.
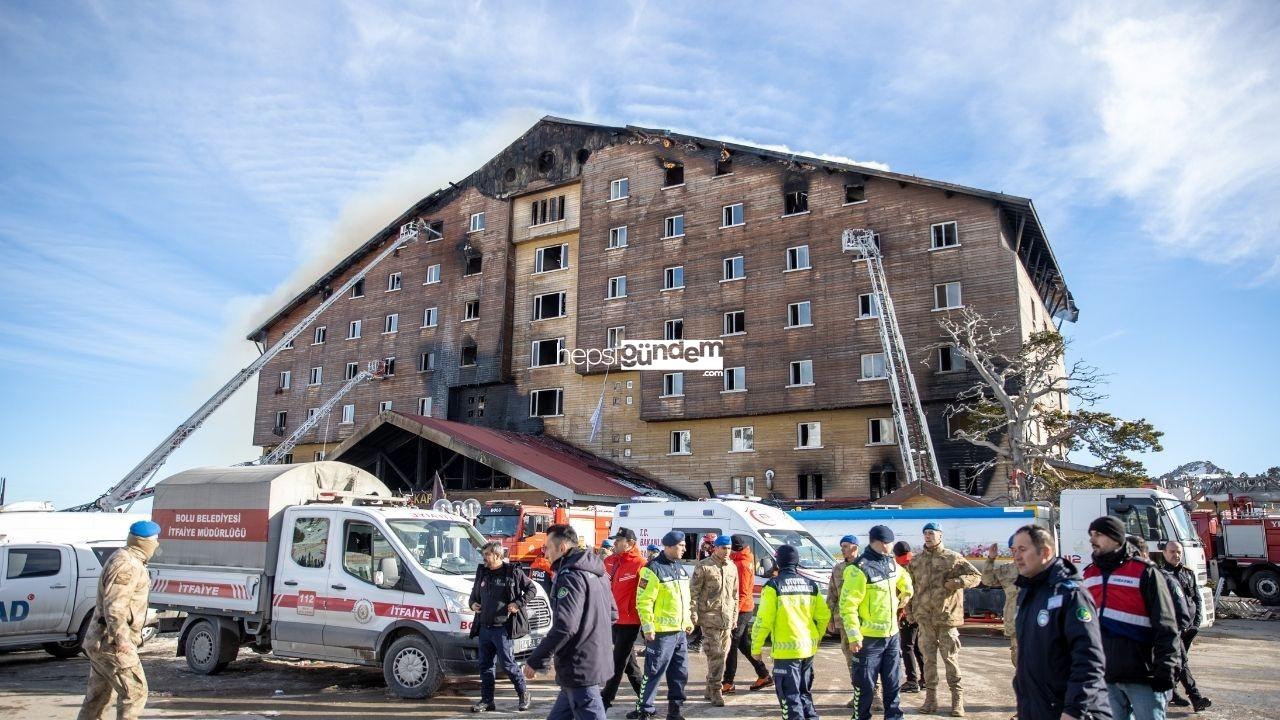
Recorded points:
(144, 529)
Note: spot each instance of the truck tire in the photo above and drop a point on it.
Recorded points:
(412, 668)
(210, 648)
(68, 649)
(1265, 586)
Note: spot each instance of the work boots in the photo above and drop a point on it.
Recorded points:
(930, 705)
(957, 703)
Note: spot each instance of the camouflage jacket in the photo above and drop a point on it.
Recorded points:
(1002, 576)
(714, 593)
(121, 610)
(940, 577)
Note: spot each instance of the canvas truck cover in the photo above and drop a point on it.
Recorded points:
(231, 517)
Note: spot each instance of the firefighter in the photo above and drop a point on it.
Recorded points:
(940, 577)
(662, 602)
(1060, 661)
(499, 595)
(1185, 578)
(1004, 576)
(714, 594)
(540, 570)
(792, 618)
(874, 587)
(848, 554)
(908, 632)
(745, 561)
(623, 568)
(1139, 629)
(115, 632)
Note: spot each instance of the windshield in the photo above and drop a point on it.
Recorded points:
(498, 525)
(812, 554)
(443, 546)
(1181, 522)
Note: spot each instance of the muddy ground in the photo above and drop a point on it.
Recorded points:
(1236, 662)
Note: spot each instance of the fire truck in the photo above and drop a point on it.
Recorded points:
(1243, 544)
(522, 528)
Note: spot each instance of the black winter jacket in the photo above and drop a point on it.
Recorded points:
(1060, 660)
(494, 590)
(1153, 663)
(583, 612)
(1186, 579)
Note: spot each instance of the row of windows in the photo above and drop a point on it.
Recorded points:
(348, 413)
(808, 437)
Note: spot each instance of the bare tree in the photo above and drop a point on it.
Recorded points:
(1021, 409)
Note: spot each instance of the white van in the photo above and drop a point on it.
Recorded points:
(762, 528)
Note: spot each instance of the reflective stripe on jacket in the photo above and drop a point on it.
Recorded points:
(792, 617)
(874, 586)
(662, 597)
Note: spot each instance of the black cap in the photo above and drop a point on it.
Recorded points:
(882, 533)
(788, 557)
(625, 534)
(1110, 526)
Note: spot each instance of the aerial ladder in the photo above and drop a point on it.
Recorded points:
(376, 371)
(914, 442)
(131, 487)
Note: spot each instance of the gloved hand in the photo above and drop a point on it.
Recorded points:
(1162, 683)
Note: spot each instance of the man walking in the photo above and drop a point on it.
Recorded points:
(1139, 629)
(940, 577)
(792, 618)
(714, 594)
(1185, 578)
(662, 602)
(1060, 661)
(623, 568)
(908, 631)
(115, 632)
(745, 561)
(1004, 577)
(498, 598)
(848, 554)
(874, 588)
(579, 640)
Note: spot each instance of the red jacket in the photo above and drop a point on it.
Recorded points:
(745, 561)
(623, 570)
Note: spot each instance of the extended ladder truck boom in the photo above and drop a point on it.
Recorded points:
(376, 370)
(908, 415)
(127, 490)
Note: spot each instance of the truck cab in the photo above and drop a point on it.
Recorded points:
(1149, 513)
(521, 528)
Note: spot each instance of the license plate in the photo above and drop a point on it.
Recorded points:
(523, 644)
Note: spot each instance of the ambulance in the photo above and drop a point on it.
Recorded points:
(320, 561)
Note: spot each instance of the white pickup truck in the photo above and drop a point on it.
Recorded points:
(319, 561)
(49, 567)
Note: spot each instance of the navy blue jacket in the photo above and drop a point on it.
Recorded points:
(583, 612)
(1060, 660)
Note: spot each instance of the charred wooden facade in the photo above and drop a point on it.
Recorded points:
(757, 237)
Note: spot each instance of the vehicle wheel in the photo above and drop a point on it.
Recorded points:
(68, 649)
(148, 633)
(209, 648)
(1265, 586)
(411, 668)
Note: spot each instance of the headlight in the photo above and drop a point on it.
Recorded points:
(455, 601)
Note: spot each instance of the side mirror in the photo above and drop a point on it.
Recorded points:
(388, 575)
(766, 566)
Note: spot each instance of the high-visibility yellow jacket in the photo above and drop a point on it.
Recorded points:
(874, 588)
(792, 616)
(662, 597)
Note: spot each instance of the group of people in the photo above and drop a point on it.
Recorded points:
(1108, 643)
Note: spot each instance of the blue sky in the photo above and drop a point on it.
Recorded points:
(168, 172)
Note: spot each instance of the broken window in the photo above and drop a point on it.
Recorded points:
(353, 329)
(795, 202)
(880, 431)
(392, 323)
(286, 379)
(318, 338)
(429, 317)
(548, 305)
(352, 370)
(735, 322)
(435, 231)
(316, 377)
(389, 366)
(554, 257)
(801, 372)
(673, 384)
(854, 193)
(674, 227)
(798, 258)
(873, 367)
(858, 254)
(546, 403)
(808, 435)
(680, 442)
(809, 486)
(673, 278)
(426, 361)
(468, 356)
(731, 215)
(673, 174)
(393, 282)
(944, 235)
(282, 417)
(965, 479)
(617, 287)
(357, 290)
(724, 166)
(735, 379)
(424, 406)
(735, 268)
(946, 296)
(618, 237)
(474, 265)
(614, 336)
(868, 306)
(471, 311)
(673, 329)
(799, 314)
(546, 352)
(950, 359)
(546, 210)
(384, 406)
(619, 189)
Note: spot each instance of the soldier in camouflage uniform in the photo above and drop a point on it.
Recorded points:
(115, 632)
(940, 577)
(848, 553)
(1003, 576)
(714, 594)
